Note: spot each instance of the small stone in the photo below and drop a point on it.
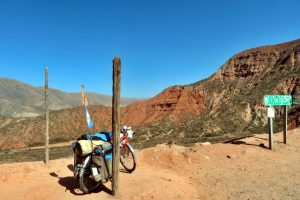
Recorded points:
(170, 143)
(231, 156)
(205, 144)
(206, 157)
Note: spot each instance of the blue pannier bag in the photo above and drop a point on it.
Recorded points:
(107, 153)
(104, 136)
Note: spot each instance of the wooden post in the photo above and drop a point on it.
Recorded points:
(47, 118)
(270, 133)
(116, 124)
(285, 125)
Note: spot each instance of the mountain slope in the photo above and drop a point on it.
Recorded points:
(227, 105)
(251, 74)
(18, 99)
(64, 125)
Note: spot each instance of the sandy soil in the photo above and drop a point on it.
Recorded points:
(244, 170)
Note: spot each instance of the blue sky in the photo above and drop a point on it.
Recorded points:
(161, 43)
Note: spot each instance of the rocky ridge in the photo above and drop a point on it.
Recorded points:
(19, 99)
(228, 104)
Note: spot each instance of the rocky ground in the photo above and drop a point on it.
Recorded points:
(244, 169)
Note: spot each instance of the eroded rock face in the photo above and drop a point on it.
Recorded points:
(288, 86)
(255, 61)
(248, 64)
(172, 102)
(294, 118)
(242, 72)
(180, 99)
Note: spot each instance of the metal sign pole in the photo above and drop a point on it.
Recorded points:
(285, 125)
(277, 100)
(270, 133)
(271, 115)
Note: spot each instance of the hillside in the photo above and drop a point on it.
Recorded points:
(227, 105)
(19, 99)
(241, 82)
(242, 170)
(65, 125)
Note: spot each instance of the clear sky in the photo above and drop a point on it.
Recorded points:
(161, 42)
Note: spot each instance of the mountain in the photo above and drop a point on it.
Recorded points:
(19, 99)
(243, 79)
(227, 105)
(64, 125)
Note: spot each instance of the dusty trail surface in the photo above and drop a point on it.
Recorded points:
(244, 170)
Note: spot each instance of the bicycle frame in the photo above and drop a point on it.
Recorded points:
(124, 140)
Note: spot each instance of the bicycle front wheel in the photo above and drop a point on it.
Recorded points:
(127, 158)
(87, 182)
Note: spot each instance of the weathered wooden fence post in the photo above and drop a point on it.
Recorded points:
(47, 118)
(116, 124)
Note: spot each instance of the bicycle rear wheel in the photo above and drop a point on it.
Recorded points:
(127, 158)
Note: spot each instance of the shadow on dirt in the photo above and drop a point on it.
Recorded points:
(71, 167)
(238, 141)
(261, 138)
(69, 183)
(262, 145)
(72, 185)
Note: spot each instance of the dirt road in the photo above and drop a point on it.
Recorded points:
(244, 170)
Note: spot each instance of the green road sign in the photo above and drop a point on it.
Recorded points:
(278, 100)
